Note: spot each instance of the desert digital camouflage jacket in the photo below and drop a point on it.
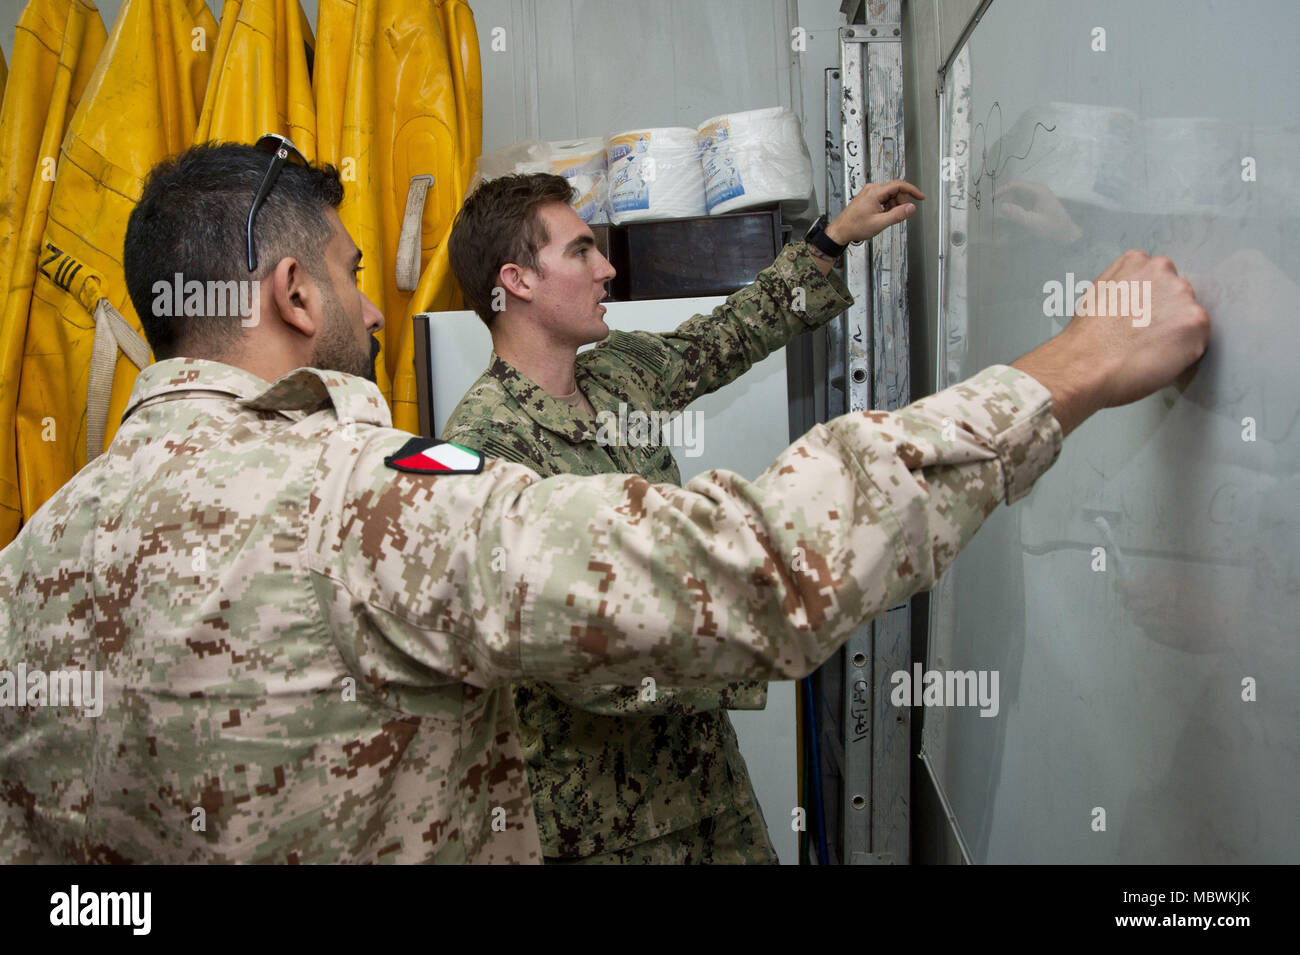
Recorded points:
(306, 654)
(611, 767)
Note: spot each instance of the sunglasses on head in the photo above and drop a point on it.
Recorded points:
(281, 151)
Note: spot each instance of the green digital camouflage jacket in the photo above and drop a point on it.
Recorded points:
(303, 654)
(611, 767)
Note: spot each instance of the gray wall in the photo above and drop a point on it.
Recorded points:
(573, 68)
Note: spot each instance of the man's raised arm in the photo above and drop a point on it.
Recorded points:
(798, 292)
(611, 579)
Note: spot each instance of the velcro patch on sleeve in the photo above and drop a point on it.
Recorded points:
(434, 456)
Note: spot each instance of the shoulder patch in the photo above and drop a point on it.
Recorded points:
(434, 456)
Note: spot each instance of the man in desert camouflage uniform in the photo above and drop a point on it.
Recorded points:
(306, 622)
(617, 774)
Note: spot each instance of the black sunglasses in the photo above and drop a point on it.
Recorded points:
(282, 151)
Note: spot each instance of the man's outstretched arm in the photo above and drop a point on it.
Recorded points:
(798, 292)
(610, 579)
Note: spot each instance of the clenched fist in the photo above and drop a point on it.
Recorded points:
(1120, 348)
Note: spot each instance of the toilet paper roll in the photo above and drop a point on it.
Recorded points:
(753, 158)
(582, 162)
(654, 174)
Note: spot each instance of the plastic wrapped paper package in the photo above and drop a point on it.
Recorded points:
(508, 159)
(654, 174)
(754, 158)
(582, 161)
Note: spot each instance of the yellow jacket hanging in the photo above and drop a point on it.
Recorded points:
(83, 345)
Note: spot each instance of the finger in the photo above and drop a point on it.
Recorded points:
(881, 222)
(1164, 264)
(1130, 260)
(896, 186)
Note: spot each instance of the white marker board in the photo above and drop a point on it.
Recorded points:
(1149, 706)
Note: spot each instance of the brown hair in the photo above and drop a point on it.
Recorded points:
(498, 224)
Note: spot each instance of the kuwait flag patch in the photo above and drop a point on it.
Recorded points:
(433, 456)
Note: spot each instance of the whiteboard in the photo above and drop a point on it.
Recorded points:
(1142, 606)
(741, 427)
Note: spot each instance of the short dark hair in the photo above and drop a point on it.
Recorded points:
(192, 219)
(497, 224)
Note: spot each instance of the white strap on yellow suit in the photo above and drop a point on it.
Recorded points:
(112, 332)
(408, 245)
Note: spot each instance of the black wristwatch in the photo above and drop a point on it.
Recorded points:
(818, 238)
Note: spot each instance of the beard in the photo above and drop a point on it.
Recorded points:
(337, 348)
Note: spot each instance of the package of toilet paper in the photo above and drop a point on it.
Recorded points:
(508, 159)
(654, 174)
(753, 158)
(582, 162)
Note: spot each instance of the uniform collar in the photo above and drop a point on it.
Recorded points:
(298, 393)
(551, 413)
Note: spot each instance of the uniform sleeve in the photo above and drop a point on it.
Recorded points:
(502, 440)
(601, 700)
(706, 352)
(610, 579)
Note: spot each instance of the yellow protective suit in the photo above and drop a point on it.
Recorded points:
(396, 120)
(141, 104)
(261, 76)
(329, 79)
(461, 37)
(437, 289)
(56, 46)
(334, 28)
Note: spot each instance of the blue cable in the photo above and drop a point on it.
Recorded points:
(814, 754)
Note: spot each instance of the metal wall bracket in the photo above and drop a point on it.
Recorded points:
(872, 33)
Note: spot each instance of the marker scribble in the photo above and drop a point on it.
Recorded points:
(999, 164)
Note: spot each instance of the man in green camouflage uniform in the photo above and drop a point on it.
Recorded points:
(303, 623)
(622, 774)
